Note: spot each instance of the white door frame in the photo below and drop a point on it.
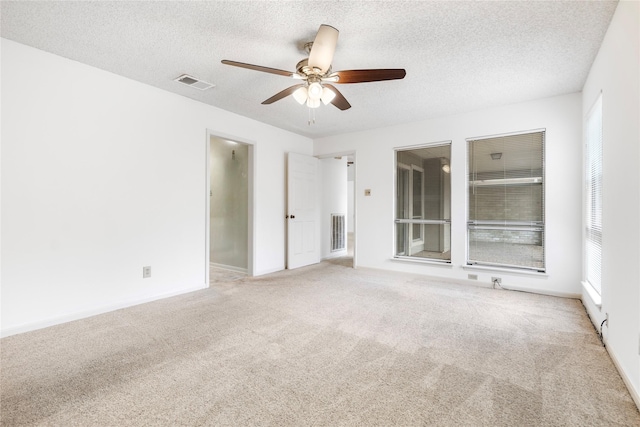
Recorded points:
(355, 197)
(251, 217)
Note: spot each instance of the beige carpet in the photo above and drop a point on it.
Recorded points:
(325, 345)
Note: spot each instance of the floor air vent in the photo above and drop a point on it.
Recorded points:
(194, 82)
(338, 235)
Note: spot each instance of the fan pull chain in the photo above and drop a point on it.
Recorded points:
(312, 117)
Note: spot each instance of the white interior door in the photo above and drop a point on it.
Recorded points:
(303, 242)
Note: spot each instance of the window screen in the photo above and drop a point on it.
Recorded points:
(593, 196)
(506, 201)
(423, 203)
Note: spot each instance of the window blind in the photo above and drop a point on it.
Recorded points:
(593, 199)
(506, 201)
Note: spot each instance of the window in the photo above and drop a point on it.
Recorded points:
(505, 224)
(423, 203)
(593, 196)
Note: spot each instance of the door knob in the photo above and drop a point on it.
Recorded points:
(293, 216)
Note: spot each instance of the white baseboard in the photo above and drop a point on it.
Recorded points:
(482, 284)
(635, 394)
(269, 271)
(27, 327)
(593, 308)
(552, 293)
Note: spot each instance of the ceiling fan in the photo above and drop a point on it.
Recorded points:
(317, 76)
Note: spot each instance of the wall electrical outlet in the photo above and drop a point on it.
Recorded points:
(146, 272)
(472, 276)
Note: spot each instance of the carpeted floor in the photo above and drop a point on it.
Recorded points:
(324, 345)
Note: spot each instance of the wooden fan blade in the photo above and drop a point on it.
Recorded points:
(324, 46)
(364, 76)
(258, 68)
(339, 100)
(278, 96)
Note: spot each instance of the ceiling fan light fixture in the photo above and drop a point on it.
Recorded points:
(327, 95)
(317, 75)
(313, 103)
(315, 91)
(300, 95)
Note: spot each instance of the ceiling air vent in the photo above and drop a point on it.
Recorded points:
(194, 82)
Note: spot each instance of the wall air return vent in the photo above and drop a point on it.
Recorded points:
(338, 240)
(194, 82)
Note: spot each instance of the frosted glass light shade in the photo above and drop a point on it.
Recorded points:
(327, 95)
(315, 91)
(300, 95)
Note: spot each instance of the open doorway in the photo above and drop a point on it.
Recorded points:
(229, 208)
(338, 212)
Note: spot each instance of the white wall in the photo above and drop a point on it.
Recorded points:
(561, 116)
(333, 178)
(102, 175)
(351, 208)
(616, 74)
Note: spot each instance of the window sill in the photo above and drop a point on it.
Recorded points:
(423, 261)
(505, 270)
(595, 297)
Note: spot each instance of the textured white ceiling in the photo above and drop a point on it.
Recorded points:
(459, 56)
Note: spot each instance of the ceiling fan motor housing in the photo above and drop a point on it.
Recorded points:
(304, 70)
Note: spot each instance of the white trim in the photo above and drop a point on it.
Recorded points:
(336, 154)
(547, 292)
(586, 195)
(268, 271)
(353, 154)
(27, 327)
(251, 214)
(417, 260)
(594, 104)
(412, 243)
(207, 204)
(544, 195)
(355, 210)
(594, 296)
(635, 395)
(506, 270)
(422, 145)
(501, 135)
